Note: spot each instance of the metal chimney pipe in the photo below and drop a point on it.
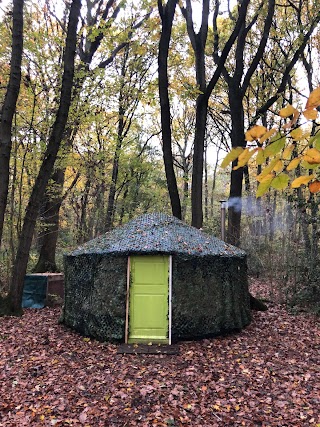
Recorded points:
(223, 219)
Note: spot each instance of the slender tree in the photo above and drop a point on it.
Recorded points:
(205, 88)
(167, 14)
(9, 106)
(238, 83)
(134, 66)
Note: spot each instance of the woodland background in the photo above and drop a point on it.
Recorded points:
(111, 109)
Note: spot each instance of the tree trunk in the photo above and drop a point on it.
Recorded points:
(120, 136)
(235, 207)
(113, 186)
(125, 195)
(167, 14)
(238, 84)
(49, 224)
(206, 189)
(12, 211)
(237, 140)
(83, 226)
(214, 178)
(198, 41)
(198, 155)
(9, 106)
(186, 167)
(50, 214)
(32, 210)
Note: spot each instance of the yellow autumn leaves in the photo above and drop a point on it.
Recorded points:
(283, 153)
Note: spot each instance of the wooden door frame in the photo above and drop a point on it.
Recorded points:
(126, 333)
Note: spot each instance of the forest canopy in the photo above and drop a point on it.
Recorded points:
(111, 109)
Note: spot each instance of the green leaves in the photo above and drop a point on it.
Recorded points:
(263, 187)
(315, 141)
(275, 147)
(280, 182)
(230, 157)
(267, 170)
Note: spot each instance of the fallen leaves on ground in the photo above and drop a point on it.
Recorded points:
(266, 375)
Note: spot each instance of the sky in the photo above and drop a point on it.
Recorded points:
(197, 10)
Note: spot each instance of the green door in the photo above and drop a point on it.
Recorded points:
(149, 299)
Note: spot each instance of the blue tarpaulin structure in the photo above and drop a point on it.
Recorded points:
(34, 291)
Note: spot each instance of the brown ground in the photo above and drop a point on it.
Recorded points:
(266, 375)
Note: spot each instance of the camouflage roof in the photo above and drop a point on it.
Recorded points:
(157, 233)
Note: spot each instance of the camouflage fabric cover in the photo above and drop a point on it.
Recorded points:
(209, 280)
(157, 233)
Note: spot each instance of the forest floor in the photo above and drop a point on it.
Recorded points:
(266, 375)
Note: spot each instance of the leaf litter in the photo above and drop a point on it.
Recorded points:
(266, 375)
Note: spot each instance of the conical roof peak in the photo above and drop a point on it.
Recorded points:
(157, 233)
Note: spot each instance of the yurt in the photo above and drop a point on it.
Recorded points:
(155, 279)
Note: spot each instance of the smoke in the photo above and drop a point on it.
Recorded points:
(270, 217)
(235, 203)
(248, 205)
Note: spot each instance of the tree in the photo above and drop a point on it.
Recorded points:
(97, 16)
(166, 13)
(198, 42)
(182, 127)
(241, 79)
(134, 65)
(9, 106)
(238, 83)
(284, 152)
(100, 18)
(49, 223)
(291, 155)
(14, 299)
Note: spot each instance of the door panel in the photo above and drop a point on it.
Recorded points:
(148, 302)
